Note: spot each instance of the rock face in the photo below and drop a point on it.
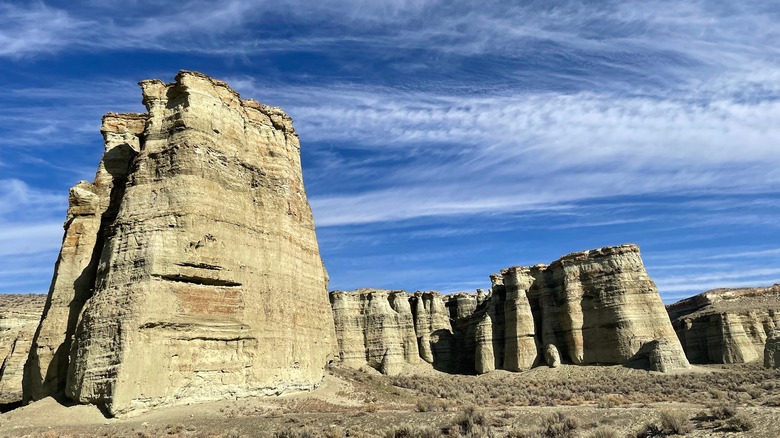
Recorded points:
(93, 208)
(190, 269)
(389, 330)
(772, 350)
(19, 317)
(590, 307)
(726, 325)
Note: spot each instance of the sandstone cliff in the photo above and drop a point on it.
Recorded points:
(190, 268)
(19, 316)
(726, 325)
(590, 307)
(389, 330)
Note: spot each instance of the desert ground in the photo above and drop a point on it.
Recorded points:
(569, 401)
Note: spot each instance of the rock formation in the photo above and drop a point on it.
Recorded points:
(726, 325)
(93, 208)
(19, 316)
(388, 330)
(772, 350)
(590, 307)
(190, 268)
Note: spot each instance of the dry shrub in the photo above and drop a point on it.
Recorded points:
(604, 432)
(650, 430)
(739, 423)
(432, 405)
(470, 423)
(305, 432)
(675, 422)
(723, 411)
(611, 401)
(413, 432)
(558, 425)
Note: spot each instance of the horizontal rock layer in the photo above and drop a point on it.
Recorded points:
(726, 325)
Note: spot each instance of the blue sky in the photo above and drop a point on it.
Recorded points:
(441, 140)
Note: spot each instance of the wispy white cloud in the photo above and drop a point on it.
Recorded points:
(30, 235)
(472, 154)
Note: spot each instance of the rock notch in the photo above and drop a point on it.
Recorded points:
(189, 270)
(590, 307)
(726, 325)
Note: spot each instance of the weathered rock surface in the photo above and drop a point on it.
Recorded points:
(190, 269)
(726, 325)
(390, 330)
(590, 307)
(772, 350)
(520, 349)
(434, 331)
(93, 208)
(551, 356)
(19, 317)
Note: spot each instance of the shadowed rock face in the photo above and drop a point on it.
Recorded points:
(19, 317)
(590, 307)
(190, 269)
(726, 325)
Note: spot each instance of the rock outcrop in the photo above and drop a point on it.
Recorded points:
(726, 325)
(772, 350)
(19, 317)
(189, 269)
(92, 210)
(590, 307)
(391, 330)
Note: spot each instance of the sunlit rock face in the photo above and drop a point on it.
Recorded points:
(589, 307)
(199, 275)
(19, 318)
(392, 331)
(726, 325)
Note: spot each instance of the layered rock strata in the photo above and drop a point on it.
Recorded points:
(190, 269)
(19, 317)
(92, 210)
(726, 325)
(590, 307)
(389, 330)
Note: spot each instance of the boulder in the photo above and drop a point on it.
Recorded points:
(551, 356)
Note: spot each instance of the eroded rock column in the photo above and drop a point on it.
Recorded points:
(91, 212)
(520, 348)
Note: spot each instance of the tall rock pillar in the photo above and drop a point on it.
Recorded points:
(93, 207)
(520, 349)
(210, 283)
